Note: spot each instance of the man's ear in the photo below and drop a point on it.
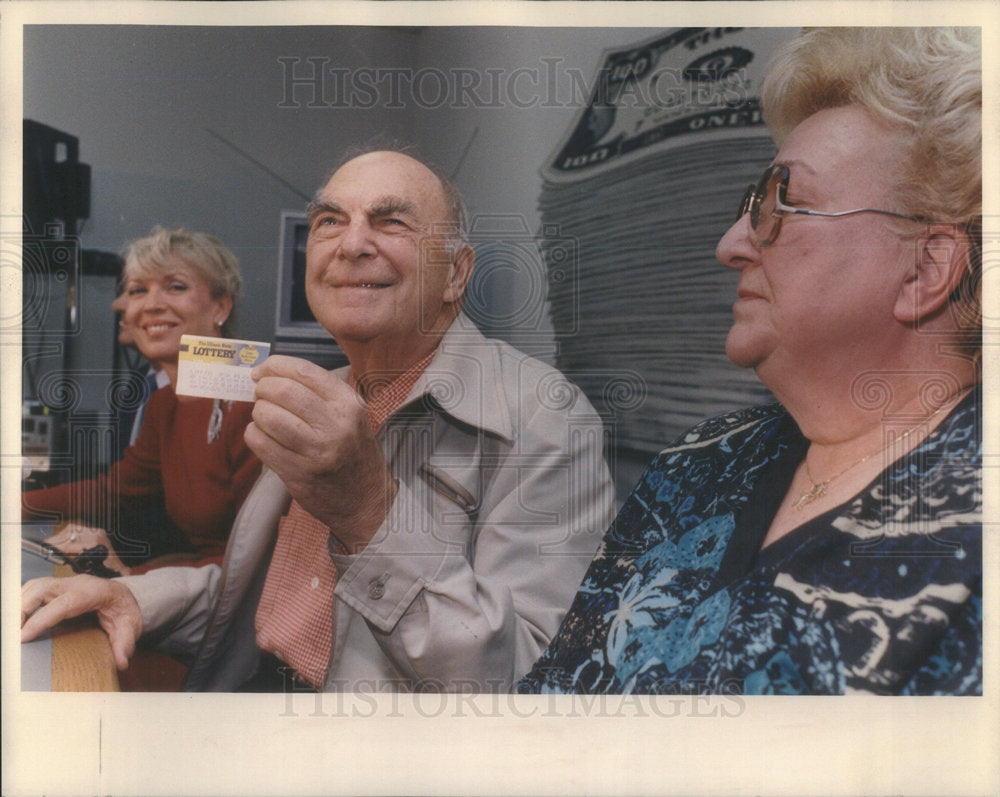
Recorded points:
(941, 260)
(462, 264)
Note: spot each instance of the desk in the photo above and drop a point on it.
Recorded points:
(75, 657)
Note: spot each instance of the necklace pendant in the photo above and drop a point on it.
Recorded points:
(808, 496)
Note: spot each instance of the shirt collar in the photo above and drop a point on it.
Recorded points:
(385, 400)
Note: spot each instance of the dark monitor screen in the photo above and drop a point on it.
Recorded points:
(294, 319)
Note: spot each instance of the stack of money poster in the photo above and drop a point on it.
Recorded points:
(640, 190)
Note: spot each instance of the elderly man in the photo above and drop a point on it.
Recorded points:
(425, 514)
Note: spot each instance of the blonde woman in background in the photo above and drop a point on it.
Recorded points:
(189, 450)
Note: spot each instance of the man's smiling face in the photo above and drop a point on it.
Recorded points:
(368, 277)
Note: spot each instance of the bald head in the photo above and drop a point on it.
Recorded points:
(455, 215)
(383, 275)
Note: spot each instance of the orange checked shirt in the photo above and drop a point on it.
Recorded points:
(295, 617)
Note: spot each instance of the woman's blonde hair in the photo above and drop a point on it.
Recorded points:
(924, 83)
(203, 253)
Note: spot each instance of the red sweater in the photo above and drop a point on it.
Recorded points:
(203, 484)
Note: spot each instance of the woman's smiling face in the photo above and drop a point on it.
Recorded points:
(164, 303)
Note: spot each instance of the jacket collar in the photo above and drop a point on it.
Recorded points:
(465, 380)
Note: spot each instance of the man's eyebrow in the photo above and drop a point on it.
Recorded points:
(383, 206)
(391, 205)
(317, 206)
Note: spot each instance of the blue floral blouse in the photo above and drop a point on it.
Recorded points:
(882, 594)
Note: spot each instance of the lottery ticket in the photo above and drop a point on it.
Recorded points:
(218, 367)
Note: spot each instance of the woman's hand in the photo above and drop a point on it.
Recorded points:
(46, 602)
(75, 538)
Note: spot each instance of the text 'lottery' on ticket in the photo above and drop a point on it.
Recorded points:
(218, 367)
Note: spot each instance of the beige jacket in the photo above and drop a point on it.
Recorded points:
(504, 496)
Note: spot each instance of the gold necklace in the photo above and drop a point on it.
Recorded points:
(818, 489)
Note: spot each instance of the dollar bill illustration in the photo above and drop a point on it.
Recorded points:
(682, 86)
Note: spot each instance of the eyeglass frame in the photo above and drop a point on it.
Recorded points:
(755, 193)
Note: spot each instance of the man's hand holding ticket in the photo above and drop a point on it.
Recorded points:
(218, 367)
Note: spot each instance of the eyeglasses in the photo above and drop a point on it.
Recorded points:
(766, 204)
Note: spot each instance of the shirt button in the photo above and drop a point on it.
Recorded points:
(315, 582)
(376, 587)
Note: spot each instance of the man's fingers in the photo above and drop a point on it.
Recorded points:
(285, 392)
(270, 451)
(49, 610)
(303, 388)
(36, 625)
(283, 421)
(308, 428)
(291, 463)
(121, 649)
(46, 602)
(308, 374)
(312, 403)
(32, 596)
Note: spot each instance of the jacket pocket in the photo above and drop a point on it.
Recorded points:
(449, 487)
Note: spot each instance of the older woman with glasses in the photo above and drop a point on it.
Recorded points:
(830, 543)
